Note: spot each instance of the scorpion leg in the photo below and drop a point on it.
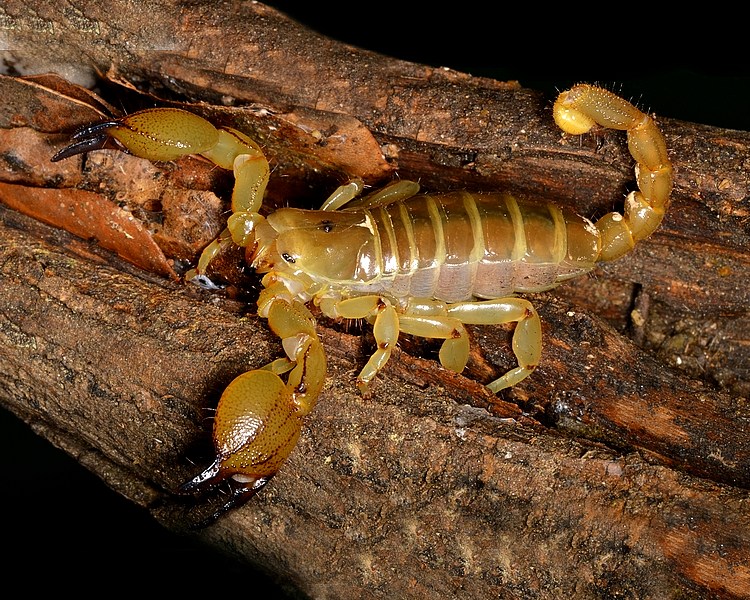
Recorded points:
(577, 111)
(347, 194)
(343, 195)
(527, 337)
(401, 189)
(454, 352)
(385, 328)
(434, 319)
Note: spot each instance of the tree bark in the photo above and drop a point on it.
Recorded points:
(623, 463)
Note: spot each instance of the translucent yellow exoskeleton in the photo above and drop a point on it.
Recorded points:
(423, 264)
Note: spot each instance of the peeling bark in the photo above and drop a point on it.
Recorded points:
(623, 463)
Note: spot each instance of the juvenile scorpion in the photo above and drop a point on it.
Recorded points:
(422, 264)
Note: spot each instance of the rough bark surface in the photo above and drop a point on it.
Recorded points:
(620, 467)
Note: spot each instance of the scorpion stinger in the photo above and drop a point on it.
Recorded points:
(423, 264)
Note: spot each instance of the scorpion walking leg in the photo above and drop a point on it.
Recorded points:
(347, 194)
(385, 328)
(577, 111)
(430, 318)
(527, 337)
(434, 319)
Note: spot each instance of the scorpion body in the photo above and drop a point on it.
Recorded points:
(423, 264)
(451, 247)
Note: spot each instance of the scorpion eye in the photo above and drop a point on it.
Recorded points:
(326, 226)
(288, 258)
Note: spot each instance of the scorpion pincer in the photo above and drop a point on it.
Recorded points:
(423, 264)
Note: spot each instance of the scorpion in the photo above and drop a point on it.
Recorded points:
(422, 264)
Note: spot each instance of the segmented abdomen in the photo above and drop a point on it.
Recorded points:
(458, 245)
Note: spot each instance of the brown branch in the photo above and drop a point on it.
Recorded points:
(609, 467)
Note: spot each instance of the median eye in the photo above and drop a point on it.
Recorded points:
(288, 258)
(326, 226)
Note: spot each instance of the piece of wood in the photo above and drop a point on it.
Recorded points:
(608, 469)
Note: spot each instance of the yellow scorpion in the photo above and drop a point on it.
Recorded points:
(423, 264)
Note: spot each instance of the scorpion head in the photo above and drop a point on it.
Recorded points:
(324, 245)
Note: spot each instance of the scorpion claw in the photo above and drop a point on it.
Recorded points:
(95, 130)
(95, 137)
(239, 494)
(240, 491)
(256, 427)
(204, 481)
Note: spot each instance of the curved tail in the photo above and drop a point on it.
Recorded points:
(576, 111)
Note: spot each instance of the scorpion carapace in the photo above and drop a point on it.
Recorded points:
(422, 264)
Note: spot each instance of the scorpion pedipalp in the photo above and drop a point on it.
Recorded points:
(257, 424)
(423, 264)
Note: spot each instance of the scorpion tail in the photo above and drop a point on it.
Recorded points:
(576, 111)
